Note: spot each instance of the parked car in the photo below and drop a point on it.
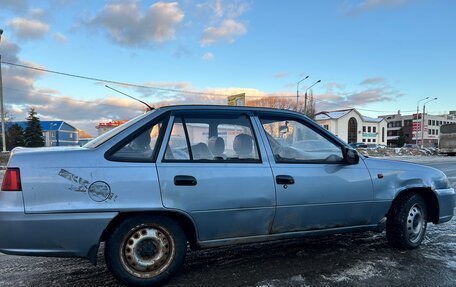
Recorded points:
(411, 146)
(205, 176)
(358, 145)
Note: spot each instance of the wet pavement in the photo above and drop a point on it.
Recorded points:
(362, 259)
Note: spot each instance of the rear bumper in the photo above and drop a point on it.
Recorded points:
(62, 235)
(447, 204)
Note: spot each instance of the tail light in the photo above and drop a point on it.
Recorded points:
(12, 180)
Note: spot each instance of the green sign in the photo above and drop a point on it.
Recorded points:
(369, 135)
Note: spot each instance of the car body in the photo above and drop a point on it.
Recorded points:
(358, 145)
(413, 146)
(214, 175)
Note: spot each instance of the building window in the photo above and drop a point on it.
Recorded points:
(436, 132)
(383, 134)
(373, 140)
(326, 127)
(364, 129)
(71, 136)
(368, 129)
(429, 122)
(368, 140)
(374, 129)
(364, 140)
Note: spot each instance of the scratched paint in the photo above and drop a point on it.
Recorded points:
(98, 191)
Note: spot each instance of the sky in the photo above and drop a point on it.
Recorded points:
(379, 56)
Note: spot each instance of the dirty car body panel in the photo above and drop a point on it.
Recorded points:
(71, 196)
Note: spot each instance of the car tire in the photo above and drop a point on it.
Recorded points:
(406, 222)
(145, 250)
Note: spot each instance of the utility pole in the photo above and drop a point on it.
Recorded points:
(1, 101)
(305, 96)
(417, 119)
(422, 124)
(297, 92)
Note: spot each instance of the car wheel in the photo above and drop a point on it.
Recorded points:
(145, 250)
(406, 222)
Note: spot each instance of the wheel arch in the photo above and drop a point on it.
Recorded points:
(432, 203)
(184, 220)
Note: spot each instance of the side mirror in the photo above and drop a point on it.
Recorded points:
(351, 156)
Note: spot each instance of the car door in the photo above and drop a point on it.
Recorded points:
(212, 167)
(315, 188)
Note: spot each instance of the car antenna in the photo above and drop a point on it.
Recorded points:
(150, 108)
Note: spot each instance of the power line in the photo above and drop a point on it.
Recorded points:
(111, 81)
(64, 99)
(165, 89)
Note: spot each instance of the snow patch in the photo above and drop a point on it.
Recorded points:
(361, 271)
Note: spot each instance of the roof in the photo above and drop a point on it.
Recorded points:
(375, 120)
(332, 115)
(225, 107)
(45, 125)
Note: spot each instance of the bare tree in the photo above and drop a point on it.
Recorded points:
(278, 102)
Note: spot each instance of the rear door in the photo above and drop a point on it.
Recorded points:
(315, 188)
(211, 166)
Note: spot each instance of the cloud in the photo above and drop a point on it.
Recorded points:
(15, 5)
(281, 75)
(59, 37)
(27, 28)
(361, 6)
(126, 24)
(208, 57)
(227, 32)
(371, 90)
(182, 52)
(374, 81)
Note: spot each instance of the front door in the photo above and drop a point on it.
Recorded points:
(212, 167)
(315, 188)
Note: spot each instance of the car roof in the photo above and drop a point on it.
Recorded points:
(226, 107)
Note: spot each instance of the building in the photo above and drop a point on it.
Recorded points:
(84, 137)
(410, 126)
(104, 127)
(352, 127)
(55, 133)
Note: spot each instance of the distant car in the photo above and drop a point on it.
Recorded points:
(447, 139)
(411, 146)
(358, 145)
(206, 176)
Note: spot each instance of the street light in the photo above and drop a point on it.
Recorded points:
(297, 91)
(305, 96)
(422, 124)
(417, 111)
(1, 100)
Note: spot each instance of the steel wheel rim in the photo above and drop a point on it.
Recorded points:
(147, 251)
(415, 223)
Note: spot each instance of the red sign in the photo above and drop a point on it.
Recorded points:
(111, 123)
(416, 116)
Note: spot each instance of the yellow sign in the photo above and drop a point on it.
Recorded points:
(236, 100)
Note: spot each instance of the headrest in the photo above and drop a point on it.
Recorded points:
(243, 145)
(216, 145)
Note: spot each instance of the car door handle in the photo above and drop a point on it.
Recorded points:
(284, 179)
(185, 180)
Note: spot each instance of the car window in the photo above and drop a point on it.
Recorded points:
(177, 148)
(112, 133)
(141, 147)
(212, 138)
(293, 141)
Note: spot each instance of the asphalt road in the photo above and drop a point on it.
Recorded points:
(362, 259)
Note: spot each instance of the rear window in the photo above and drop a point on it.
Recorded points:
(112, 133)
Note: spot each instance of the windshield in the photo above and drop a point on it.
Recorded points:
(107, 136)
